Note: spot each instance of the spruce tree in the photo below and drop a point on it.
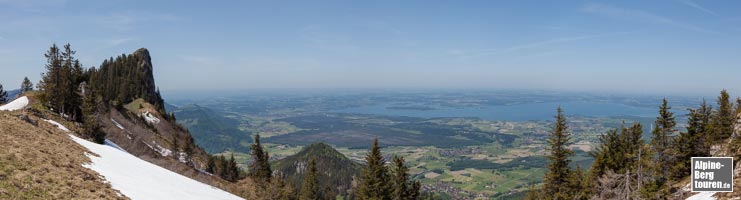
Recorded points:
(211, 165)
(401, 189)
(416, 190)
(558, 168)
(3, 95)
(691, 143)
(49, 83)
(260, 170)
(578, 184)
(724, 119)
(310, 184)
(233, 173)
(91, 126)
(374, 179)
(26, 85)
(59, 84)
(662, 157)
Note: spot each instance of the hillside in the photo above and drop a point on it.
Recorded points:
(132, 115)
(212, 131)
(40, 161)
(118, 104)
(45, 160)
(335, 169)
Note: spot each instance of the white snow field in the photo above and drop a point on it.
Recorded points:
(139, 179)
(16, 104)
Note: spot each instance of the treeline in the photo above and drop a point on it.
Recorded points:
(226, 169)
(627, 167)
(377, 180)
(59, 85)
(80, 95)
(125, 78)
(63, 90)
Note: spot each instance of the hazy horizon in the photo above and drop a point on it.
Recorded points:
(681, 47)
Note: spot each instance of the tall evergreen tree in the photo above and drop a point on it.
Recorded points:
(558, 168)
(724, 119)
(91, 126)
(260, 170)
(3, 95)
(26, 85)
(211, 165)
(310, 185)
(401, 188)
(662, 157)
(59, 84)
(416, 190)
(49, 83)
(374, 178)
(691, 143)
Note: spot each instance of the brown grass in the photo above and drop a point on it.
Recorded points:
(42, 162)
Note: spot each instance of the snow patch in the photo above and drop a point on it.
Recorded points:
(159, 149)
(117, 124)
(150, 118)
(702, 196)
(138, 179)
(16, 104)
(57, 124)
(183, 157)
(114, 145)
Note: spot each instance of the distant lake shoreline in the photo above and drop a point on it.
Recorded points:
(514, 112)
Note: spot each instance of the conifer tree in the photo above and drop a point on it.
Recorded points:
(310, 184)
(416, 190)
(724, 119)
(3, 95)
(260, 170)
(26, 85)
(211, 165)
(691, 143)
(374, 179)
(91, 126)
(662, 157)
(579, 184)
(59, 84)
(49, 83)
(401, 189)
(558, 168)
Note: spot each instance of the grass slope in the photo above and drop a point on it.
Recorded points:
(39, 161)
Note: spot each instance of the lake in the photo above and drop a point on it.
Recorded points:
(517, 112)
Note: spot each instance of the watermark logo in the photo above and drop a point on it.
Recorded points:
(712, 174)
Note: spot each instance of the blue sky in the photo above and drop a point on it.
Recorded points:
(673, 46)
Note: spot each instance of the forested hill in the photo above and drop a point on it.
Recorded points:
(125, 78)
(337, 171)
